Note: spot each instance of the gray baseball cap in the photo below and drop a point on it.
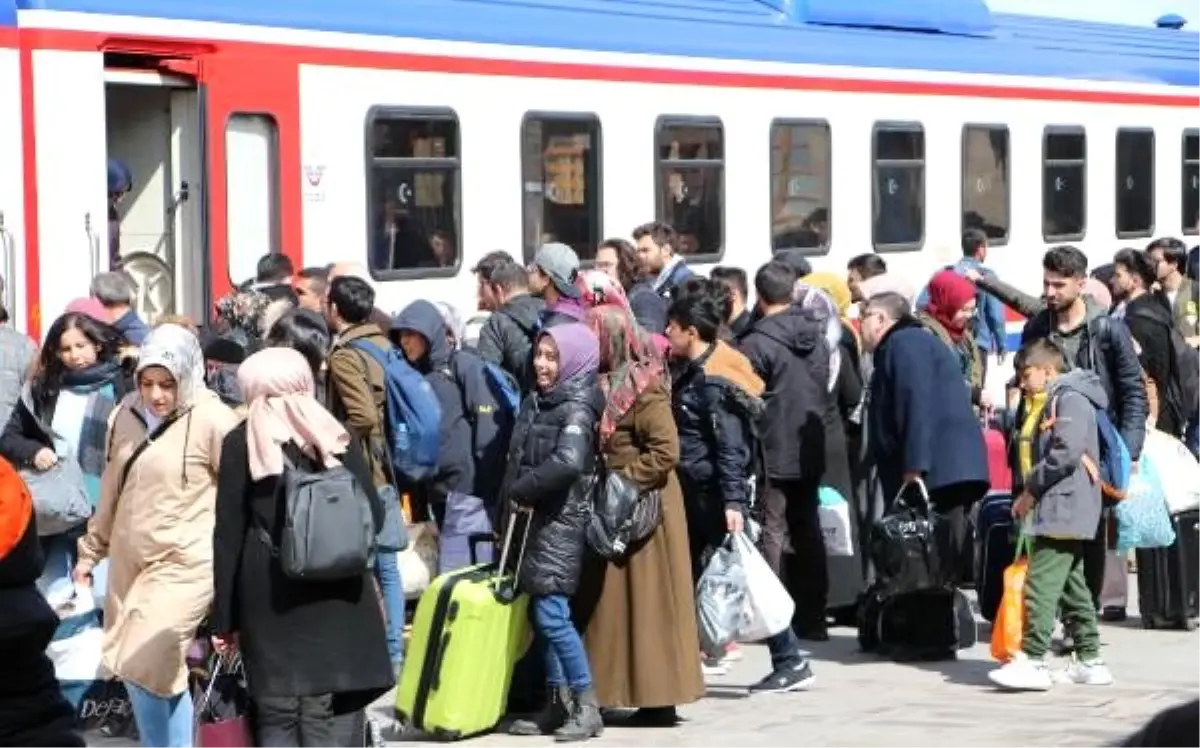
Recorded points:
(561, 264)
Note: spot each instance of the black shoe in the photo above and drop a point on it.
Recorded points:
(813, 632)
(657, 716)
(796, 677)
(1113, 614)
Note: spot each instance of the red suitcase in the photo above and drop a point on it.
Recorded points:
(999, 472)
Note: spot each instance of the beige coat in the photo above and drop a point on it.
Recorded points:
(158, 536)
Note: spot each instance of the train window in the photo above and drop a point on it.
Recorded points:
(801, 186)
(251, 191)
(898, 194)
(690, 172)
(1135, 183)
(414, 193)
(1191, 182)
(986, 193)
(1064, 184)
(561, 183)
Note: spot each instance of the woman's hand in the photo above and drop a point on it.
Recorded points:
(45, 459)
(226, 644)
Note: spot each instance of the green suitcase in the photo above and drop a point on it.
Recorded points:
(470, 628)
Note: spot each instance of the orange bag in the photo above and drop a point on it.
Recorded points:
(16, 508)
(1009, 626)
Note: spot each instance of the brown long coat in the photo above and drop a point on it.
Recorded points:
(640, 615)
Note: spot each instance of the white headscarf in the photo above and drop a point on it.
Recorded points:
(822, 306)
(177, 350)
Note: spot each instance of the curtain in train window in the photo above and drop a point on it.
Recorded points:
(413, 192)
(1064, 185)
(691, 175)
(898, 192)
(986, 193)
(1191, 182)
(1135, 183)
(801, 186)
(561, 182)
(252, 192)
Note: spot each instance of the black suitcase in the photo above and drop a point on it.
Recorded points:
(1168, 578)
(930, 624)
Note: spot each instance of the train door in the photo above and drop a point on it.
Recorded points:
(12, 192)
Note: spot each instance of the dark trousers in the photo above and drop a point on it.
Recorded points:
(298, 722)
(1093, 556)
(795, 547)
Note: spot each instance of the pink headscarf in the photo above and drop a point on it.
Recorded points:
(89, 307)
(278, 385)
(601, 289)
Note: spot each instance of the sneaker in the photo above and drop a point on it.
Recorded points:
(733, 653)
(713, 667)
(1085, 673)
(1022, 674)
(1113, 614)
(786, 679)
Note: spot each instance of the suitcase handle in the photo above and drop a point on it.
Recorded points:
(508, 539)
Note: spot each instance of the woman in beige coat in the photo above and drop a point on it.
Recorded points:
(155, 523)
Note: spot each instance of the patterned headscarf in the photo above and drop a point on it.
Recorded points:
(602, 289)
(630, 363)
(819, 303)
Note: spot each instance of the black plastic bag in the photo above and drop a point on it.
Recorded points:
(904, 544)
(622, 516)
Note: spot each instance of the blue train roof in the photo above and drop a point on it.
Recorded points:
(955, 36)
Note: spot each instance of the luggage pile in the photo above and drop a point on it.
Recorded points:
(911, 611)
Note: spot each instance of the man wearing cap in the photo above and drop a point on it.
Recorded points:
(552, 277)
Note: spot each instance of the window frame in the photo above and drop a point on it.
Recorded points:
(378, 112)
(1184, 162)
(1047, 131)
(1147, 232)
(276, 192)
(899, 126)
(1008, 211)
(798, 122)
(663, 122)
(564, 116)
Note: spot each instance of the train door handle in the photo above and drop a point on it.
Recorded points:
(93, 240)
(8, 260)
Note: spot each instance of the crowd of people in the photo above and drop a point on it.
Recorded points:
(731, 410)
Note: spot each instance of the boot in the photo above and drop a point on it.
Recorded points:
(552, 716)
(584, 722)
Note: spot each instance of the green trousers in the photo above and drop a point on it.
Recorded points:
(1056, 582)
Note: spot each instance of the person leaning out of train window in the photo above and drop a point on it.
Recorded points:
(315, 653)
(950, 307)
(658, 248)
(63, 413)
(618, 259)
(154, 524)
(551, 459)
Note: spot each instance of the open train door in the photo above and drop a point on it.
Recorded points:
(252, 122)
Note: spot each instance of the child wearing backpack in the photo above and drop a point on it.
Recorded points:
(1060, 463)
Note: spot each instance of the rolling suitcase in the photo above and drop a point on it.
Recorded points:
(999, 471)
(1168, 579)
(995, 541)
(470, 628)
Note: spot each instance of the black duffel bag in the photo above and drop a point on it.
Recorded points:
(904, 544)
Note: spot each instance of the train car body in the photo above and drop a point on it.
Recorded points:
(417, 136)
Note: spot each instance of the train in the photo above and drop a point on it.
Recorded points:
(415, 137)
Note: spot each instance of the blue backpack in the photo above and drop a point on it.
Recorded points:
(504, 386)
(414, 416)
(1116, 466)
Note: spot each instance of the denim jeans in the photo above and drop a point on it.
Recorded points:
(61, 552)
(785, 650)
(162, 722)
(566, 660)
(387, 573)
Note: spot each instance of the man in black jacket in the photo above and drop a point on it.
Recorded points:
(786, 347)
(506, 338)
(1148, 317)
(1091, 340)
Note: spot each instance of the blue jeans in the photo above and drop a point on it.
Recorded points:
(785, 650)
(566, 661)
(387, 573)
(61, 552)
(162, 722)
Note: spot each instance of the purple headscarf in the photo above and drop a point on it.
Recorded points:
(578, 350)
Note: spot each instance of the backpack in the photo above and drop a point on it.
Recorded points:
(1115, 467)
(414, 415)
(1183, 391)
(328, 530)
(504, 386)
(489, 447)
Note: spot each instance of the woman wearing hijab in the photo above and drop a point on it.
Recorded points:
(601, 289)
(948, 315)
(315, 653)
(640, 613)
(154, 524)
(551, 459)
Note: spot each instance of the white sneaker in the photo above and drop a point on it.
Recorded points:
(712, 668)
(1090, 673)
(1022, 674)
(733, 653)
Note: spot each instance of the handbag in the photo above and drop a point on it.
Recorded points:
(60, 500)
(622, 515)
(905, 544)
(222, 717)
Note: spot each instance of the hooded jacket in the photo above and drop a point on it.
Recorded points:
(506, 339)
(1067, 501)
(787, 350)
(1104, 346)
(456, 467)
(1150, 324)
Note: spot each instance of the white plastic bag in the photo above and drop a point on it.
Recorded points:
(768, 608)
(835, 523)
(75, 649)
(419, 561)
(1177, 468)
(720, 600)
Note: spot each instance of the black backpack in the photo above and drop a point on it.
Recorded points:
(1183, 391)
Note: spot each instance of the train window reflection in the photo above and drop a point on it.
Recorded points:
(561, 182)
(1135, 183)
(801, 186)
(898, 189)
(413, 192)
(1064, 184)
(986, 192)
(690, 175)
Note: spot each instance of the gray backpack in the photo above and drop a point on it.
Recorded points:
(328, 531)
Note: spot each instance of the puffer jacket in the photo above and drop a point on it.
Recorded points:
(550, 468)
(506, 339)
